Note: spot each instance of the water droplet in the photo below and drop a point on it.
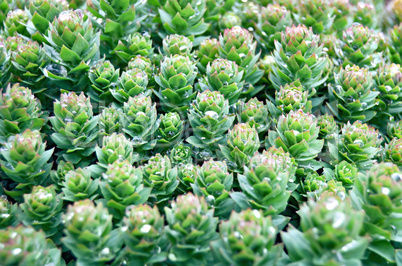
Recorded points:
(385, 190)
(145, 228)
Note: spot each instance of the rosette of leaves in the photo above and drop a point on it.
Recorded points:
(358, 47)
(8, 213)
(42, 209)
(139, 121)
(159, 174)
(237, 45)
(327, 126)
(133, 45)
(228, 20)
(379, 194)
(247, 238)
(184, 17)
(103, 78)
(19, 110)
(15, 22)
(74, 46)
(346, 173)
(109, 121)
(267, 181)
(224, 76)
(177, 44)
(351, 96)
(315, 14)
(170, 131)
(122, 186)
(312, 184)
(299, 55)
(142, 231)
(58, 175)
(115, 147)
(75, 127)
(366, 14)
(297, 133)
(181, 154)
(209, 119)
(25, 246)
(191, 227)
(290, 97)
(394, 130)
(176, 79)
(43, 12)
(186, 174)
(242, 143)
(343, 13)
(393, 152)
(272, 20)
(388, 82)
(78, 185)
(207, 52)
(88, 233)
(143, 63)
(28, 60)
(358, 143)
(255, 113)
(214, 182)
(328, 234)
(131, 83)
(116, 19)
(25, 161)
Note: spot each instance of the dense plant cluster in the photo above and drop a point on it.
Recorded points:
(196, 132)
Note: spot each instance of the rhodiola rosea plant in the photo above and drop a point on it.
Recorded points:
(200, 132)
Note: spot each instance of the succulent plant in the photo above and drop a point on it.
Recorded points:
(25, 161)
(247, 238)
(209, 119)
(142, 228)
(143, 63)
(19, 110)
(352, 96)
(327, 126)
(109, 121)
(229, 20)
(42, 209)
(177, 44)
(315, 14)
(187, 174)
(396, 44)
(170, 131)
(358, 47)
(237, 45)
(184, 17)
(103, 78)
(394, 130)
(74, 44)
(299, 55)
(243, 142)
(255, 113)
(207, 52)
(122, 186)
(180, 154)
(15, 22)
(224, 76)
(272, 20)
(346, 173)
(133, 45)
(393, 152)
(329, 233)
(75, 128)
(24, 246)
(139, 121)
(176, 80)
(379, 194)
(8, 213)
(159, 174)
(58, 175)
(358, 143)
(88, 233)
(297, 133)
(343, 11)
(78, 185)
(366, 14)
(214, 182)
(268, 181)
(131, 83)
(191, 227)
